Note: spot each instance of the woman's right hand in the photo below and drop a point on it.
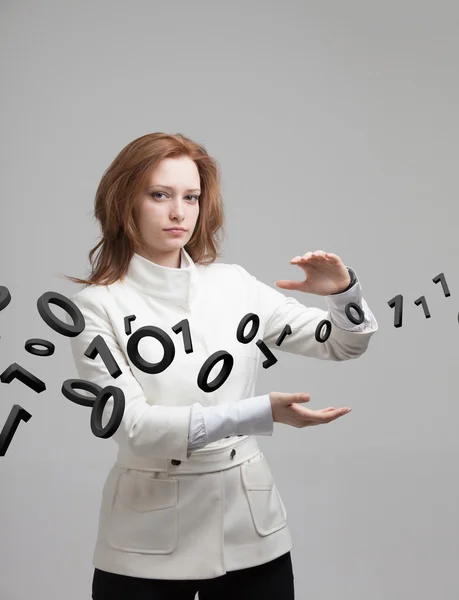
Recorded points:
(286, 409)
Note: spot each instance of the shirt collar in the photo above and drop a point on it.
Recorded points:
(169, 283)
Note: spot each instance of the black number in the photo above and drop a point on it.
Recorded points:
(5, 299)
(444, 285)
(70, 308)
(162, 337)
(328, 327)
(102, 396)
(358, 310)
(17, 414)
(208, 365)
(15, 371)
(252, 333)
(271, 359)
(98, 346)
(422, 300)
(48, 351)
(127, 323)
(286, 331)
(397, 303)
(185, 327)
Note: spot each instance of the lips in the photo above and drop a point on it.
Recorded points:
(175, 229)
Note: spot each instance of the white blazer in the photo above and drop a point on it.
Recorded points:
(166, 512)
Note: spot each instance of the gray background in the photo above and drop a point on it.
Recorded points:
(336, 128)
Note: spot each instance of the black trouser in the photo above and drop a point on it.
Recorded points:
(271, 581)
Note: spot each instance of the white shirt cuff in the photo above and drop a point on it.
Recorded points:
(251, 416)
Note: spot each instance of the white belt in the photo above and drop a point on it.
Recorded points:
(200, 461)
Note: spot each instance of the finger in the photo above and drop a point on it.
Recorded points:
(339, 412)
(301, 259)
(330, 415)
(289, 284)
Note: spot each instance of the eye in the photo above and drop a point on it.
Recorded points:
(155, 196)
(191, 196)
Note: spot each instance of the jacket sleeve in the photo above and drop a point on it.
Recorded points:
(277, 310)
(148, 430)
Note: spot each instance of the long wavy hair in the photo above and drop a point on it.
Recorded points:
(117, 194)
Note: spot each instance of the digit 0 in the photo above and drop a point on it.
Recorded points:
(54, 322)
(208, 365)
(162, 337)
(252, 333)
(102, 395)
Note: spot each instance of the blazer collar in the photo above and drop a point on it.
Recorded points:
(169, 283)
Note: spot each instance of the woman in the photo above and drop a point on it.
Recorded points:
(190, 504)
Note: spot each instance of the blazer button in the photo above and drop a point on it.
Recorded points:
(233, 452)
(175, 462)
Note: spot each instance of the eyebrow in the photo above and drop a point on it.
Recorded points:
(167, 187)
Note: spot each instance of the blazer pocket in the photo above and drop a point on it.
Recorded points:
(144, 515)
(268, 510)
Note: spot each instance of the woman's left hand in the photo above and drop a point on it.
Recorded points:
(325, 274)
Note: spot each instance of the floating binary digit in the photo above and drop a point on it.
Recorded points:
(163, 338)
(54, 322)
(15, 371)
(184, 326)
(245, 339)
(102, 395)
(228, 362)
(422, 300)
(30, 347)
(17, 414)
(361, 315)
(284, 333)
(318, 331)
(127, 324)
(5, 297)
(441, 278)
(397, 303)
(98, 347)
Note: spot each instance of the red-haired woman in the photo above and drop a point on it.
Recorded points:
(190, 504)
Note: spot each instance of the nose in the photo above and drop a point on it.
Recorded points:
(177, 212)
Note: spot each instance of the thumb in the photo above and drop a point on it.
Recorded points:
(288, 284)
(300, 397)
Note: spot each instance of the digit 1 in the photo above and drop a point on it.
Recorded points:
(98, 346)
(397, 302)
(270, 357)
(184, 326)
(441, 277)
(17, 414)
(422, 300)
(284, 333)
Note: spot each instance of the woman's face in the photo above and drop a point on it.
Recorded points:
(170, 199)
